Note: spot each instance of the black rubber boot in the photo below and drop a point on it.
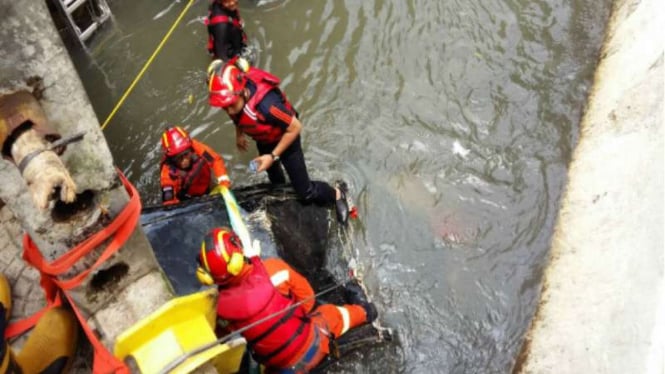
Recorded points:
(342, 209)
(354, 294)
(341, 204)
(370, 311)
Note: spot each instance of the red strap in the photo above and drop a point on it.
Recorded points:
(237, 22)
(19, 327)
(104, 362)
(118, 231)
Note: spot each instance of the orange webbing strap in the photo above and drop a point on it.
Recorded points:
(118, 231)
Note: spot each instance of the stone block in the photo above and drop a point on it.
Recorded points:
(6, 214)
(31, 273)
(7, 249)
(15, 233)
(14, 270)
(36, 296)
(134, 303)
(31, 307)
(22, 287)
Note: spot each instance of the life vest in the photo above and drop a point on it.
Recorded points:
(192, 182)
(250, 120)
(277, 340)
(213, 20)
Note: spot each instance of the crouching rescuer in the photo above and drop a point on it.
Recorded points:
(273, 306)
(189, 168)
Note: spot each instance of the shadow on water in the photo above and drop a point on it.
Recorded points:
(453, 122)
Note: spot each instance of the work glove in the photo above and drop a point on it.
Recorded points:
(42, 170)
(217, 190)
(224, 181)
(255, 249)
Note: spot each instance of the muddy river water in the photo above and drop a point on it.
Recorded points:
(453, 122)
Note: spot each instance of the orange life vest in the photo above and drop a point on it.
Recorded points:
(188, 183)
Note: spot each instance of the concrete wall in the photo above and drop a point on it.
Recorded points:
(602, 308)
(31, 47)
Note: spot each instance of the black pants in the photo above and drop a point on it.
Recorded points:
(294, 162)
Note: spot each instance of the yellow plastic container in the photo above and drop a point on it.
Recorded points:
(179, 327)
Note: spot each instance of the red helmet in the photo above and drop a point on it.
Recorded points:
(221, 257)
(225, 83)
(175, 140)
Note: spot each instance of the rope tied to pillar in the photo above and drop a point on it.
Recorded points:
(115, 234)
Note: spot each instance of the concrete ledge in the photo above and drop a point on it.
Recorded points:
(602, 306)
(33, 48)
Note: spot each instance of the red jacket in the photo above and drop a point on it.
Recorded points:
(251, 121)
(262, 290)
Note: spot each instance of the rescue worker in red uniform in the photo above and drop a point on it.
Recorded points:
(275, 305)
(252, 99)
(189, 168)
(226, 36)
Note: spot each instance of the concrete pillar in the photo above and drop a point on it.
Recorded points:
(128, 286)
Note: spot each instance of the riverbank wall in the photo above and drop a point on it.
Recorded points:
(602, 307)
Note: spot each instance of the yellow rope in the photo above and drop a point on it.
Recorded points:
(147, 64)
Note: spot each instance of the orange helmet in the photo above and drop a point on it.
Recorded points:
(221, 257)
(175, 140)
(225, 83)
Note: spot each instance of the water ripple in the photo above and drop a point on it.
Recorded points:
(453, 122)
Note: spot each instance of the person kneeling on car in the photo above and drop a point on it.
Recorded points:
(274, 306)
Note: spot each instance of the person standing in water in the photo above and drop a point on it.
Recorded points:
(253, 100)
(226, 34)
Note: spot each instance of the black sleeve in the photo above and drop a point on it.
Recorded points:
(275, 111)
(222, 36)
